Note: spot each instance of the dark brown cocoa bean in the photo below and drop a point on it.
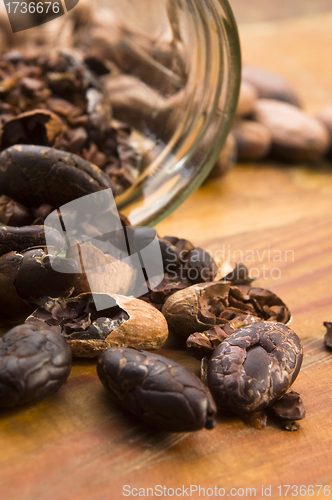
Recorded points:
(254, 367)
(27, 276)
(33, 175)
(34, 363)
(200, 266)
(37, 278)
(196, 308)
(157, 390)
(21, 238)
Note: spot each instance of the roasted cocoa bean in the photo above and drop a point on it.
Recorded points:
(33, 175)
(157, 390)
(34, 363)
(253, 140)
(270, 85)
(254, 367)
(296, 136)
(247, 100)
(21, 238)
(27, 276)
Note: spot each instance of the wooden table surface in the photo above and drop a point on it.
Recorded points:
(75, 445)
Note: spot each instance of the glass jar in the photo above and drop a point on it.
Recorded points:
(183, 58)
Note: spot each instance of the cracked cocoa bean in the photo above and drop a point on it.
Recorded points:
(198, 307)
(156, 390)
(27, 276)
(254, 367)
(119, 321)
(34, 363)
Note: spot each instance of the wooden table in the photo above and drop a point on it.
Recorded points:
(75, 445)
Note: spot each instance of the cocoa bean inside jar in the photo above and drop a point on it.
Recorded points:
(132, 91)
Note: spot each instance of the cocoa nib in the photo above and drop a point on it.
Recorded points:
(289, 407)
(27, 276)
(202, 344)
(328, 334)
(157, 390)
(254, 367)
(78, 318)
(21, 238)
(34, 363)
(239, 276)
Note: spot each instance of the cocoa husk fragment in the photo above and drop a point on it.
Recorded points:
(39, 127)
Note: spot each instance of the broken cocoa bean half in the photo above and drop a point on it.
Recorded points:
(199, 307)
(122, 321)
(27, 276)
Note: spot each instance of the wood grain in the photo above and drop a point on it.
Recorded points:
(76, 445)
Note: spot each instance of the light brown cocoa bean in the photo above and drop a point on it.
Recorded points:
(325, 117)
(253, 140)
(270, 85)
(296, 136)
(226, 159)
(247, 99)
